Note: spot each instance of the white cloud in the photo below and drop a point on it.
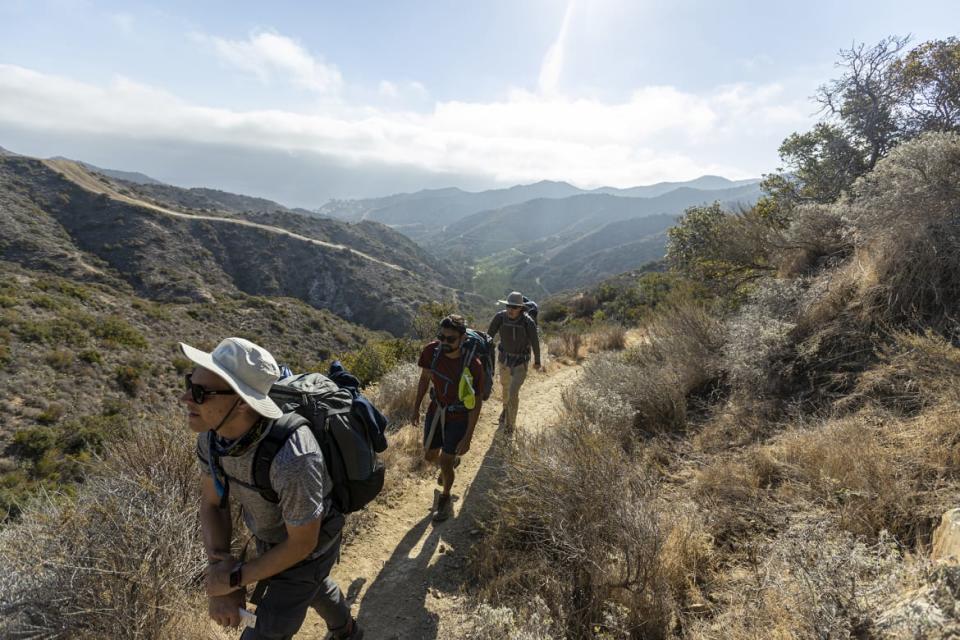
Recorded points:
(403, 91)
(659, 133)
(552, 66)
(267, 54)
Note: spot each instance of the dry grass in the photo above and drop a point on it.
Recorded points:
(608, 337)
(395, 393)
(574, 523)
(566, 344)
(122, 559)
(648, 386)
(404, 455)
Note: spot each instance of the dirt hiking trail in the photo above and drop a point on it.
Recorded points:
(403, 573)
(82, 177)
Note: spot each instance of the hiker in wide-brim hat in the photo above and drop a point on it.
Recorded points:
(227, 397)
(518, 339)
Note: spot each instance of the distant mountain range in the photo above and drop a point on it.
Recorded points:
(418, 214)
(543, 237)
(495, 230)
(546, 245)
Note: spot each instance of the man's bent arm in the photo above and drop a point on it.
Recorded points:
(422, 386)
(300, 543)
(495, 325)
(473, 417)
(533, 336)
(214, 522)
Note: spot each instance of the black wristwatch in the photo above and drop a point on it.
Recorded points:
(236, 580)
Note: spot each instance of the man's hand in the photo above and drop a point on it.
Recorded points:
(464, 447)
(415, 417)
(218, 577)
(225, 610)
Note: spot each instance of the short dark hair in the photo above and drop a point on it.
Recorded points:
(455, 322)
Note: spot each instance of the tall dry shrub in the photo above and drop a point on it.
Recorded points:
(395, 393)
(573, 522)
(647, 386)
(810, 582)
(566, 344)
(609, 337)
(120, 559)
(906, 214)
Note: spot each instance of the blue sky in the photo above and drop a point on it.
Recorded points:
(365, 98)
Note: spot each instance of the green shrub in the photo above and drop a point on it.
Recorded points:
(181, 365)
(91, 356)
(63, 286)
(51, 414)
(15, 488)
(58, 332)
(7, 301)
(129, 377)
(59, 359)
(33, 442)
(44, 302)
(375, 359)
(427, 321)
(118, 331)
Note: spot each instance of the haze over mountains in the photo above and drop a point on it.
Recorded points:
(419, 213)
(396, 251)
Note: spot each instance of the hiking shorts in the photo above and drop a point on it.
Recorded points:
(446, 436)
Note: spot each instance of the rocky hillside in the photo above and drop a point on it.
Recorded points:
(60, 218)
(82, 354)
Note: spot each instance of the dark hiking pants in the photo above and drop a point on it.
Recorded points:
(283, 599)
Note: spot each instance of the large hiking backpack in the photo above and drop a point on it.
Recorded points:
(531, 308)
(476, 344)
(349, 443)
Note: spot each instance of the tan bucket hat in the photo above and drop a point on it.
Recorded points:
(248, 368)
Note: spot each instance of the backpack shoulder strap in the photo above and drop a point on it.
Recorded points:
(267, 449)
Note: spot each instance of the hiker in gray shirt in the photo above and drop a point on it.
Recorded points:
(518, 335)
(298, 536)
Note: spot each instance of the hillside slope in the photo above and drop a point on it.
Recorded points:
(58, 215)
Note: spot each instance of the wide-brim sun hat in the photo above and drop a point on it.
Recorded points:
(248, 368)
(515, 299)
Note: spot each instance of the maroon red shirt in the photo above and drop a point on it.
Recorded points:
(450, 367)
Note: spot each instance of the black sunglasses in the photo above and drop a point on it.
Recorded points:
(445, 338)
(199, 392)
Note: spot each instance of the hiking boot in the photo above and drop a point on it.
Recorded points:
(444, 507)
(456, 463)
(352, 632)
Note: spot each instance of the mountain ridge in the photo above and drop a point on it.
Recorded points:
(418, 212)
(70, 222)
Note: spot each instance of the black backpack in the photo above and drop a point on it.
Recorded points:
(531, 308)
(476, 344)
(349, 444)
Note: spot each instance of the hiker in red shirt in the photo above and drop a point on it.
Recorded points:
(454, 403)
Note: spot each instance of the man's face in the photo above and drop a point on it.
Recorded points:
(514, 312)
(449, 340)
(208, 414)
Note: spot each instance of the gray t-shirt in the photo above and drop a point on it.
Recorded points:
(298, 475)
